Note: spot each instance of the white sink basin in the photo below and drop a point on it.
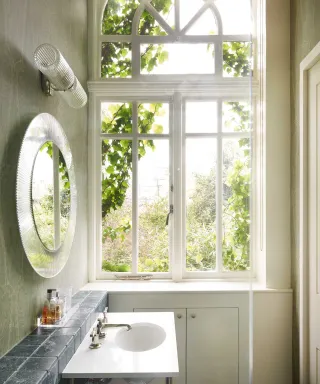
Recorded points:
(147, 351)
(142, 337)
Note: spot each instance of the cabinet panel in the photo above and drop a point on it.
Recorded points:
(212, 346)
(180, 321)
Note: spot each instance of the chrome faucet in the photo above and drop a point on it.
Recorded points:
(95, 338)
(103, 324)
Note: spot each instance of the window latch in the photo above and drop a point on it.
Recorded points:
(168, 216)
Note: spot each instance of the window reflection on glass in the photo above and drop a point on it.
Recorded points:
(153, 118)
(153, 186)
(170, 59)
(50, 196)
(116, 205)
(116, 60)
(201, 157)
(236, 176)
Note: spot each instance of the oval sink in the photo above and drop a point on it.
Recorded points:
(142, 337)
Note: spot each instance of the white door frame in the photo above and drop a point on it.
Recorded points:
(308, 62)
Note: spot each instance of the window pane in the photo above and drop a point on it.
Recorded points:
(148, 25)
(201, 117)
(116, 118)
(236, 116)
(205, 25)
(236, 208)
(188, 9)
(201, 155)
(165, 9)
(153, 179)
(166, 59)
(153, 118)
(116, 60)
(236, 16)
(116, 205)
(237, 59)
(118, 16)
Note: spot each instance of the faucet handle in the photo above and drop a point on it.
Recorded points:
(94, 339)
(105, 313)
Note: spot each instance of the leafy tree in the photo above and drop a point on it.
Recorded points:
(117, 161)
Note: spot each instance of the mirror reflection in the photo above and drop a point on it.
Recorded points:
(50, 196)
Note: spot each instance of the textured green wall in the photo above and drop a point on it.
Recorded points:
(24, 24)
(305, 34)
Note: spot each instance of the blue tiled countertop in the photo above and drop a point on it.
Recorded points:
(41, 357)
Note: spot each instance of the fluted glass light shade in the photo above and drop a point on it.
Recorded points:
(57, 71)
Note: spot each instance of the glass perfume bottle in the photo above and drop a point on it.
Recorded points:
(59, 307)
(52, 306)
(47, 308)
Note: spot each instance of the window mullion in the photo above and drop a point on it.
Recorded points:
(219, 192)
(218, 52)
(178, 201)
(135, 191)
(135, 56)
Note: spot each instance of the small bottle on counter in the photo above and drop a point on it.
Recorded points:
(52, 306)
(59, 307)
(45, 310)
(48, 312)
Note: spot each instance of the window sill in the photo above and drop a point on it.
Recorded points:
(170, 286)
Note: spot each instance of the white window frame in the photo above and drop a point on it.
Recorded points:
(268, 256)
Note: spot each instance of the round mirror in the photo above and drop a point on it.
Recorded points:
(46, 196)
(50, 196)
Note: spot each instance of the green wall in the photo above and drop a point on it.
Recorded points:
(24, 24)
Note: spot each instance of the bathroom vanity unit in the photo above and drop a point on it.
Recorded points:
(144, 351)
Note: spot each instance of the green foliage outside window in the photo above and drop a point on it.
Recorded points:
(117, 163)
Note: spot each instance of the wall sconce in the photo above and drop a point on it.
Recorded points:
(56, 75)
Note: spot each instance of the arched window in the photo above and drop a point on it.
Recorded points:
(182, 37)
(171, 137)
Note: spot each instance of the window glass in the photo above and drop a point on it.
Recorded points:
(188, 9)
(148, 25)
(165, 9)
(205, 25)
(153, 186)
(117, 17)
(116, 118)
(237, 59)
(236, 16)
(201, 157)
(236, 116)
(116, 60)
(180, 59)
(236, 210)
(153, 118)
(201, 117)
(116, 205)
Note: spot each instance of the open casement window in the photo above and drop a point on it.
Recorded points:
(173, 138)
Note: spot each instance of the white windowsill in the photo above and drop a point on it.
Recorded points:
(170, 286)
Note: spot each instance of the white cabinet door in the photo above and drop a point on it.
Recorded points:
(212, 346)
(180, 320)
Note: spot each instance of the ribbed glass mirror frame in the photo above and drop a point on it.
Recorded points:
(44, 127)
